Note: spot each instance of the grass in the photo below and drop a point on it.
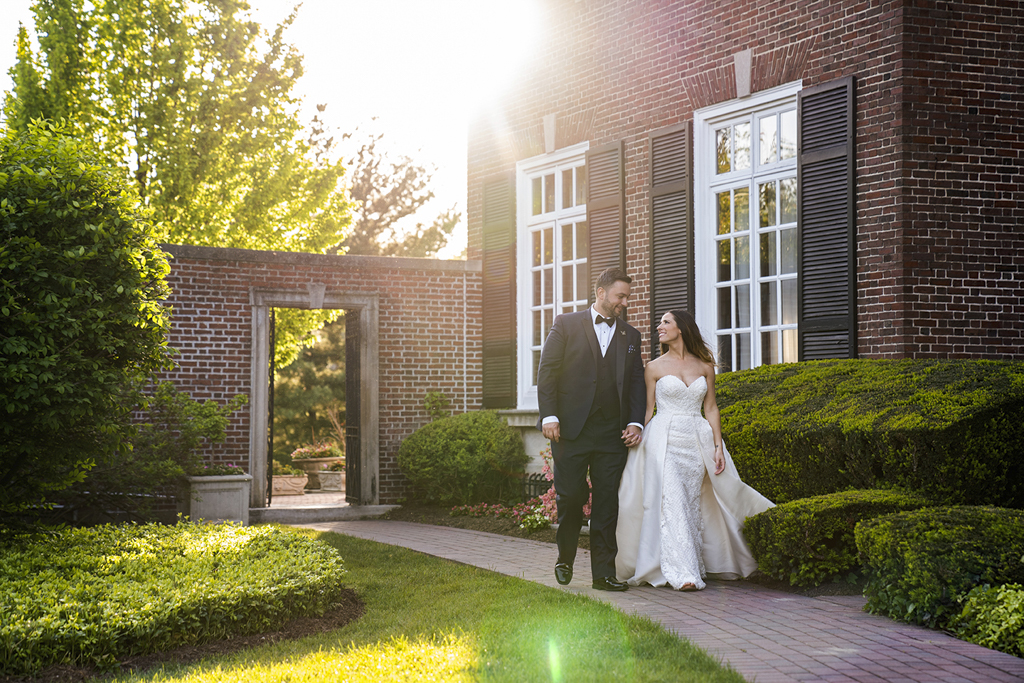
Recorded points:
(430, 619)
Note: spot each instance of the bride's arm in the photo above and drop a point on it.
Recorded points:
(650, 380)
(714, 419)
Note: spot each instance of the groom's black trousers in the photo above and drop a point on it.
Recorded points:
(599, 449)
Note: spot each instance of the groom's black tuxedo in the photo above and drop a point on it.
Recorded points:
(594, 398)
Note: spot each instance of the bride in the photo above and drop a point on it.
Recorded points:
(681, 502)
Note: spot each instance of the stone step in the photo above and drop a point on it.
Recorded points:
(311, 514)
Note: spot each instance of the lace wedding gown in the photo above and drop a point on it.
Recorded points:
(678, 521)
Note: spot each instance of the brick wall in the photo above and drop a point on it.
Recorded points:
(634, 67)
(429, 334)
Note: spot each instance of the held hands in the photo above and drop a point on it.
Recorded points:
(631, 436)
(719, 459)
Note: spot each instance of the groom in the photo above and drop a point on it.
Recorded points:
(590, 389)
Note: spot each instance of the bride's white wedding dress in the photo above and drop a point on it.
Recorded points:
(678, 521)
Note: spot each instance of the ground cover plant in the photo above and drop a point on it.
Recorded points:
(993, 616)
(91, 596)
(808, 541)
(430, 619)
(952, 430)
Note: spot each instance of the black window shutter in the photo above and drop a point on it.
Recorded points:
(827, 313)
(605, 209)
(671, 236)
(499, 295)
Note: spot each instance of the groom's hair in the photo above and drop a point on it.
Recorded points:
(609, 276)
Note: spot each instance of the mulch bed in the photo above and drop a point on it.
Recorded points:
(349, 609)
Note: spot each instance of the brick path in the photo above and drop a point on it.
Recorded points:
(768, 636)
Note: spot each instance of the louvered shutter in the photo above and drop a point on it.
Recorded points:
(605, 210)
(825, 172)
(671, 212)
(499, 320)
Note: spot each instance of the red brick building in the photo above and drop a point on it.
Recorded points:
(811, 179)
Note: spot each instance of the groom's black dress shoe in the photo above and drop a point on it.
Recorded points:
(610, 583)
(563, 573)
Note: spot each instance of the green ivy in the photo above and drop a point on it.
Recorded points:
(952, 430)
(469, 458)
(993, 616)
(922, 564)
(810, 540)
(94, 595)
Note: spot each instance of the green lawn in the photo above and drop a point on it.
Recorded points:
(429, 619)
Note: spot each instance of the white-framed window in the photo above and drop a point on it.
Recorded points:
(745, 228)
(551, 252)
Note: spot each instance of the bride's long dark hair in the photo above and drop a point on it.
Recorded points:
(690, 333)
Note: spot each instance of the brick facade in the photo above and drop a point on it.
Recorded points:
(429, 333)
(939, 139)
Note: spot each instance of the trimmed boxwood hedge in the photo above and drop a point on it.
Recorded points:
(953, 430)
(810, 540)
(993, 616)
(922, 564)
(473, 457)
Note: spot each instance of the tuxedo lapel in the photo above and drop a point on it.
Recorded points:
(587, 322)
(620, 356)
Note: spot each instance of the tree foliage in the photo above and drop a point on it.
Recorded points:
(81, 284)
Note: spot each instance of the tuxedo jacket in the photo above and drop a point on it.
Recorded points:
(567, 377)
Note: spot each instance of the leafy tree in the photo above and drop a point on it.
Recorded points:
(81, 320)
(195, 100)
(386, 194)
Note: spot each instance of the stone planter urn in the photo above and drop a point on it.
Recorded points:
(220, 498)
(289, 484)
(331, 481)
(313, 468)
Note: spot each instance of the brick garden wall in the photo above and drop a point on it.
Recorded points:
(618, 71)
(429, 336)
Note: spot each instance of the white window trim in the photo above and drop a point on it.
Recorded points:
(527, 388)
(704, 122)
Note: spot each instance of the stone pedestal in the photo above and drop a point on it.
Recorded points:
(220, 498)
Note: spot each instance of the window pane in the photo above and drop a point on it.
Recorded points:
(549, 286)
(581, 185)
(769, 348)
(742, 257)
(788, 134)
(567, 282)
(766, 203)
(567, 242)
(536, 287)
(724, 261)
(549, 246)
(536, 248)
(724, 307)
(548, 319)
(724, 213)
(582, 240)
(742, 305)
(567, 188)
(742, 146)
(788, 250)
(741, 198)
(537, 197)
(789, 302)
(787, 198)
(582, 283)
(536, 365)
(549, 192)
(725, 352)
(769, 264)
(743, 351)
(789, 348)
(536, 328)
(722, 150)
(769, 303)
(769, 139)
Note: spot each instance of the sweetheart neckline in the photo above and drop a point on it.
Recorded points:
(682, 380)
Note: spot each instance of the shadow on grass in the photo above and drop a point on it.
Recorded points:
(430, 619)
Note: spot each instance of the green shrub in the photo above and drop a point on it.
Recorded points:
(469, 458)
(90, 596)
(810, 540)
(952, 430)
(993, 616)
(81, 281)
(922, 564)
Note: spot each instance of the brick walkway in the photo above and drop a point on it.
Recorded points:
(768, 636)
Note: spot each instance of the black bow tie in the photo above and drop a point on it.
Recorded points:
(602, 319)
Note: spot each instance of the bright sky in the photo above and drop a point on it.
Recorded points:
(421, 67)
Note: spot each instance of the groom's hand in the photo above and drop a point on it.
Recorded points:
(631, 436)
(551, 431)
